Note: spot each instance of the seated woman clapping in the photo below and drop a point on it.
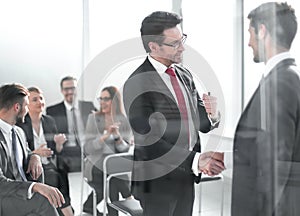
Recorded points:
(107, 132)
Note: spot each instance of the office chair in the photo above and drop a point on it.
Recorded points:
(210, 179)
(119, 165)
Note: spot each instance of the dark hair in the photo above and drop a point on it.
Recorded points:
(280, 21)
(154, 25)
(11, 94)
(65, 79)
(35, 89)
(116, 101)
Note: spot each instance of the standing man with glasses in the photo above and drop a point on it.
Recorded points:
(19, 167)
(70, 117)
(166, 113)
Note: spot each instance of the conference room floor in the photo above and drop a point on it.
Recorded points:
(209, 202)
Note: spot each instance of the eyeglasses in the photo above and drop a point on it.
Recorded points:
(105, 99)
(176, 44)
(69, 88)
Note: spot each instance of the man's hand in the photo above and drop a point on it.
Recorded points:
(53, 195)
(35, 167)
(211, 163)
(210, 104)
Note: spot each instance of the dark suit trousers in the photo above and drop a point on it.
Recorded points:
(59, 179)
(37, 205)
(179, 204)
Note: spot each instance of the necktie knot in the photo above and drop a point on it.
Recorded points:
(170, 71)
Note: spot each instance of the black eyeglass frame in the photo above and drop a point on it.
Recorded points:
(176, 44)
(72, 88)
(105, 99)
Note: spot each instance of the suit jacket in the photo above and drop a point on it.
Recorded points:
(59, 113)
(8, 183)
(95, 150)
(162, 159)
(49, 128)
(266, 147)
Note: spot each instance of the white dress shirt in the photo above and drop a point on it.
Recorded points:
(161, 69)
(39, 139)
(80, 127)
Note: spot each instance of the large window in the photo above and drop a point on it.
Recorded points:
(212, 32)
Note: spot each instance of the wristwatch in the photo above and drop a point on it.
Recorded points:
(117, 138)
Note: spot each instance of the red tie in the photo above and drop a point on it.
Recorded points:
(179, 96)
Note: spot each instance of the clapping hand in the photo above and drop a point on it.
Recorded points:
(60, 139)
(114, 128)
(43, 151)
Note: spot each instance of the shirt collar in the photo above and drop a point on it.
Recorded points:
(159, 67)
(6, 128)
(70, 106)
(272, 62)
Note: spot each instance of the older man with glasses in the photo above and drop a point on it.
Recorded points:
(166, 113)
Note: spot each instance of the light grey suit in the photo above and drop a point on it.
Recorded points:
(13, 193)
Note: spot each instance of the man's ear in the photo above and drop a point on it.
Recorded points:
(262, 31)
(17, 107)
(153, 46)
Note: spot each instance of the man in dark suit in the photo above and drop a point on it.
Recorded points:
(58, 111)
(166, 113)
(70, 117)
(18, 166)
(266, 145)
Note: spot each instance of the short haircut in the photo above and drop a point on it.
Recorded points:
(280, 21)
(65, 79)
(11, 94)
(35, 89)
(154, 25)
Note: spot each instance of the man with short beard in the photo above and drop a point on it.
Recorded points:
(19, 168)
(266, 143)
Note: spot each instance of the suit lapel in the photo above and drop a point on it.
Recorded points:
(9, 170)
(27, 126)
(156, 82)
(46, 127)
(191, 93)
(63, 118)
(4, 144)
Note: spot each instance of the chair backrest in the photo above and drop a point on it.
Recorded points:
(115, 165)
(118, 163)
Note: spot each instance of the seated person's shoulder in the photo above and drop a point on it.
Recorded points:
(20, 132)
(50, 110)
(48, 118)
(88, 104)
